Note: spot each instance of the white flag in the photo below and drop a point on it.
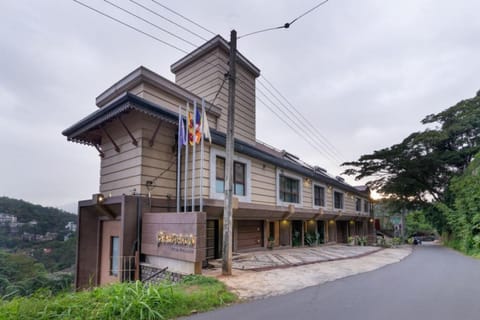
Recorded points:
(205, 126)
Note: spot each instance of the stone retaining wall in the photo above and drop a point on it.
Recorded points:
(147, 271)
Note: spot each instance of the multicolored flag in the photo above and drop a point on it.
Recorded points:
(194, 135)
(198, 128)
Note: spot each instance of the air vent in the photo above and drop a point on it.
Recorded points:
(288, 155)
(318, 169)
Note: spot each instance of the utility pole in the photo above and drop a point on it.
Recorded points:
(229, 145)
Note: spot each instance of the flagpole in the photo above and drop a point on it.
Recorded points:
(179, 155)
(186, 164)
(193, 151)
(202, 121)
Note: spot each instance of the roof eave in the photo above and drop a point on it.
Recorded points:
(144, 75)
(215, 42)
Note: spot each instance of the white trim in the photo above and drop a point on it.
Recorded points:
(333, 199)
(213, 177)
(281, 171)
(324, 195)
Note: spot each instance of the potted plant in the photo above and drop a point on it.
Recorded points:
(271, 243)
(351, 241)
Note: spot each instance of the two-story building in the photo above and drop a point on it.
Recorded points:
(282, 201)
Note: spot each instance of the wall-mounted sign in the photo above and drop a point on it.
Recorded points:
(165, 238)
(174, 236)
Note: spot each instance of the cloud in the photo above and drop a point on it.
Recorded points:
(363, 72)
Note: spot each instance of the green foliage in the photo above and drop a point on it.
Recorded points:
(418, 171)
(310, 238)
(416, 223)
(420, 167)
(463, 215)
(48, 219)
(22, 275)
(62, 255)
(123, 301)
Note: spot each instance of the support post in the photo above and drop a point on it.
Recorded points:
(194, 152)
(186, 163)
(228, 210)
(179, 155)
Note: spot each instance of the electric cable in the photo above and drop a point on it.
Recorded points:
(131, 27)
(183, 17)
(150, 23)
(167, 19)
(287, 24)
(303, 117)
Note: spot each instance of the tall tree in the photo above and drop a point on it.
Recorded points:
(418, 169)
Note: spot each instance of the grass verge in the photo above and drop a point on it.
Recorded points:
(123, 301)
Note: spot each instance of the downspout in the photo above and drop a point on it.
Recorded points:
(139, 233)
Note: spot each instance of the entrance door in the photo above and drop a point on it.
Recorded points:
(212, 240)
(342, 231)
(250, 234)
(332, 231)
(297, 228)
(110, 252)
(321, 231)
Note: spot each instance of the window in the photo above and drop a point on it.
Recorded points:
(365, 205)
(220, 175)
(114, 255)
(238, 177)
(358, 204)
(338, 200)
(289, 189)
(319, 196)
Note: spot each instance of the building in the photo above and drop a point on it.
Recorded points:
(281, 201)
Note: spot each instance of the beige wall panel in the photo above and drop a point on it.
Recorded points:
(307, 196)
(115, 157)
(120, 166)
(127, 183)
(260, 199)
(127, 173)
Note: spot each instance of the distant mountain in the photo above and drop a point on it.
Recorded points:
(48, 219)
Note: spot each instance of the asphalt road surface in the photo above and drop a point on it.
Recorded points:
(433, 283)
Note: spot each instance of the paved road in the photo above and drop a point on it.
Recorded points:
(434, 283)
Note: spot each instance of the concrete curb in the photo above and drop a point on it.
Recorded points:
(313, 262)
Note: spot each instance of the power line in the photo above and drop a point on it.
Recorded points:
(299, 130)
(304, 118)
(147, 34)
(131, 27)
(287, 24)
(308, 11)
(150, 23)
(169, 20)
(182, 16)
(292, 128)
(304, 124)
(203, 61)
(293, 125)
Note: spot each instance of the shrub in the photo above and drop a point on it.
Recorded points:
(134, 300)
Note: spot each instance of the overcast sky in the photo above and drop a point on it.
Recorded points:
(364, 72)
